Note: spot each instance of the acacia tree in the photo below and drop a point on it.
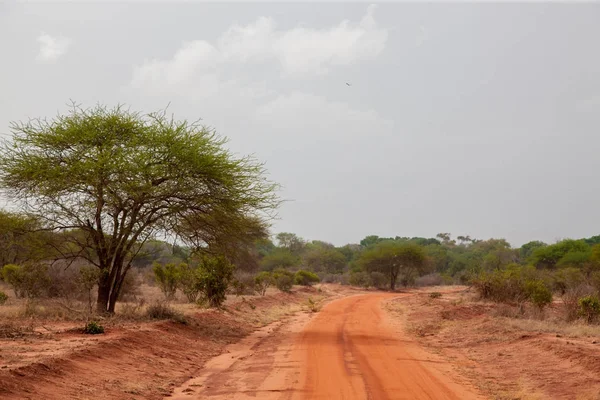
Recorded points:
(392, 258)
(110, 179)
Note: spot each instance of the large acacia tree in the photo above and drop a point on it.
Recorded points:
(392, 258)
(109, 179)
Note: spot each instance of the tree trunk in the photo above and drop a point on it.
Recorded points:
(103, 295)
(392, 281)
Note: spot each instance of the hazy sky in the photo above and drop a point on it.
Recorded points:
(473, 119)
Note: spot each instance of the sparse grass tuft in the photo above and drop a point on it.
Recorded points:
(93, 328)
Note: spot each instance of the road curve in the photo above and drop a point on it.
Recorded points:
(350, 350)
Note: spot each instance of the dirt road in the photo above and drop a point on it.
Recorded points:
(351, 349)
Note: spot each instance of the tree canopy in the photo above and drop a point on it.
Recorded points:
(119, 178)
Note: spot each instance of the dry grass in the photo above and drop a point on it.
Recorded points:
(569, 329)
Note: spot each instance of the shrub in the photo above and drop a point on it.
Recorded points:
(167, 277)
(262, 281)
(538, 293)
(435, 295)
(284, 280)
(589, 307)
(434, 279)
(379, 280)
(570, 300)
(360, 278)
(243, 284)
(88, 279)
(93, 328)
(305, 278)
(313, 306)
(161, 310)
(30, 280)
(567, 278)
(3, 297)
(191, 282)
(215, 275)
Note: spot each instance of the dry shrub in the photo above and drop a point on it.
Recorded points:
(11, 330)
(162, 310)
(571, 300)
(434, 279)
(243, 283)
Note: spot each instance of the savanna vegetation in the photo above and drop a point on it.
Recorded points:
(102, 199)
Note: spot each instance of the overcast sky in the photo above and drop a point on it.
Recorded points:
(471, 119)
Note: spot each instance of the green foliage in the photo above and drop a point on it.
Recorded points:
(360, 279)
(262, 281)
(168, 277)
(290, 242)
(305, 278)
(112, 178)
(589, 308)
(526, 251)
(3, 297)
(515, 283)
(190, 282)
(284, 280)
(87, 280)
(217, 273)
(550, 256)
(538, 293)
(279, 258)
(324, 259)
(394, 258)
(567, 278)
(30, 280)
(93, 328)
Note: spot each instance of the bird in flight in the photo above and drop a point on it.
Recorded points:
(347, 84)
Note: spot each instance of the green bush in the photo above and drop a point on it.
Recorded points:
(3, 297)
(305, 278)
(191, 282)
(93, 328)
(284, 280)
(589, 308)
(30, 280)
(167, 277)
(216, 274)
(514, 283)
(262, 281)
(360, 278)
(538, 293)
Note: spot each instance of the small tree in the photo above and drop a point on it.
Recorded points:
(110, 179)
(88, 279)
(284, 280)
(392, 258)
(167, 277)
(262, 281)
(305, 278)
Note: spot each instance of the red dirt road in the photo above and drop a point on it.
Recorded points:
(349, 350)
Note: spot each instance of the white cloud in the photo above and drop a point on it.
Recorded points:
(52, 47)
(299, 51)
